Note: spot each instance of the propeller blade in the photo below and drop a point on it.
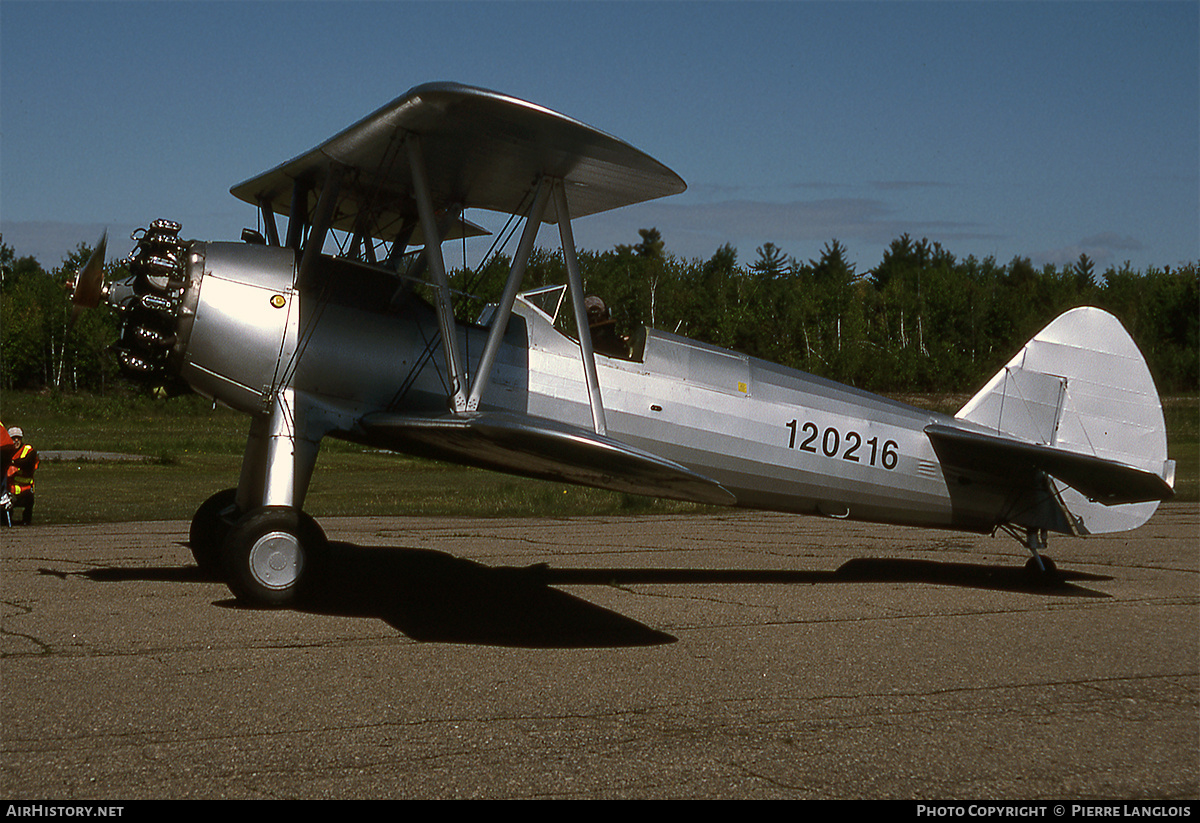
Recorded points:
(89, 283)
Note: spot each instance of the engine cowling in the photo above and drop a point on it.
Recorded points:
(219, 317)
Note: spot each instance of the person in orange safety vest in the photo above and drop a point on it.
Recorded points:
(7, 449)
(22, 465)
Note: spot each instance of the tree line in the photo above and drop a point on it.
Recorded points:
(40, 346)
(921, 320)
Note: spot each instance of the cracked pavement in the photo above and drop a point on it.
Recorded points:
(731, 655)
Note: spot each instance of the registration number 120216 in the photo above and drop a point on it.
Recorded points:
(848, 445)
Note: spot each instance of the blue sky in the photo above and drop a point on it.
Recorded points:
(997, 128)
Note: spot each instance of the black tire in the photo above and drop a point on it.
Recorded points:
(210, 525)
(271, 555)
(1049, 577)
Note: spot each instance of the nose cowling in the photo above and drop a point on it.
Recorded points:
(215, 318)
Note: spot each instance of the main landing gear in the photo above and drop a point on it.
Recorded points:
(267, 556)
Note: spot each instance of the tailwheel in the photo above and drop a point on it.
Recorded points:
(271, 555)
(1045, 573)
(210, 525)
(1040, 569)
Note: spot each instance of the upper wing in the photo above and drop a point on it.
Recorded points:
(482, 150)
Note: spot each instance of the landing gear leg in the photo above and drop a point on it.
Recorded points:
(274, 551)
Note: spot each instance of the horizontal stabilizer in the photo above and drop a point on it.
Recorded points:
(542, 449)
(1105, 481)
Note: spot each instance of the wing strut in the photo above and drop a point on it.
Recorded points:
(516, 274)
(547, 189)
(298, 214)
(268, 217)
(581, 322)
(326, 204)
(437, 267)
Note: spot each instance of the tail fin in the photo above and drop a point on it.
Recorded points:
(1081, 386)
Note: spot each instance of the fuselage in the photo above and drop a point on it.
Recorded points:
(360, 341)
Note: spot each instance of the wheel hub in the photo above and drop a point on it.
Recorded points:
(276, 560)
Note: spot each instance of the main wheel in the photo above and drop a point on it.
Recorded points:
(210, 525)
(270, 555)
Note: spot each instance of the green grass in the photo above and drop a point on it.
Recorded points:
(1183, 444)
(125, 422)
(195, 450)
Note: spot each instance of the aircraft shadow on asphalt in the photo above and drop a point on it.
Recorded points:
(432, 596)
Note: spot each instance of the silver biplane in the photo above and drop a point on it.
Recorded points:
(1068, 436)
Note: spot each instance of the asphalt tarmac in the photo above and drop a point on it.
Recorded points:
(728, 656)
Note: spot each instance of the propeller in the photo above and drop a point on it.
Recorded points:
(89, 282)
